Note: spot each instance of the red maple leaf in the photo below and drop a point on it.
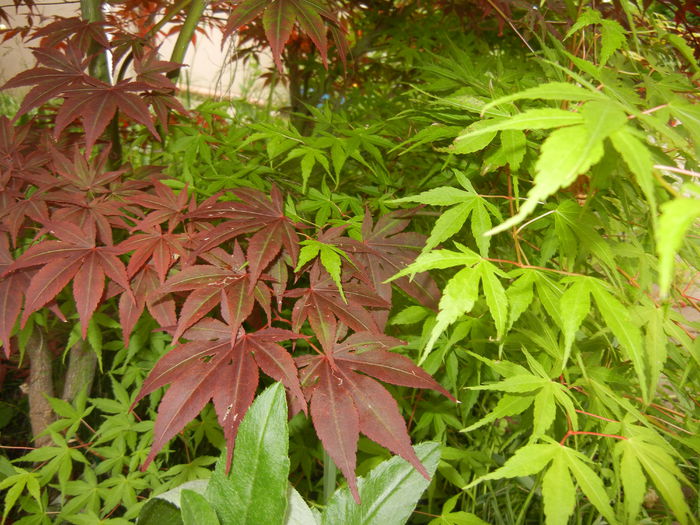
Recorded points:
(322, 299)
(74, 256)
(11, 287)
(212, 366)
(224, 282)
(385, 249)
(145, 285)
(279, 17)
(344, 402)
(256, 212)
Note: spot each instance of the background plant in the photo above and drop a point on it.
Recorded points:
(566, 272)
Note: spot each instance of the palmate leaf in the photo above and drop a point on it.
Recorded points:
(256, 212)
(461, 293)
(279, 17)
(97, 104)
(345, 403)
(74, 257)
(322, 299)
(660, 468)
(11, 287)
(384, 250)
(569, 152)
(215, 366)
(225, 283)
(557, 490)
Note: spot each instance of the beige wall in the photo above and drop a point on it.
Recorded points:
(207, 71)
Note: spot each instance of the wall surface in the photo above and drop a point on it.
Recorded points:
(208, 71)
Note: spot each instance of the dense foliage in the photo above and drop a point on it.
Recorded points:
(489, 208)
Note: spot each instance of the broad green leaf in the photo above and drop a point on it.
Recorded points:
(566, 154)
(442, 196)
(389, 493)
(261, 462)
(508, 405)
(633, 481)
(298, 512)
(528, 460)
(677, 216)
(448, 224)
(164, 509)
(558, 492)
(548, 91)
(637, 156)
(627, 332)
(458, 298)
(575, 306)
(590, 484)
(541, 118)
(496, 298)
(196, 510)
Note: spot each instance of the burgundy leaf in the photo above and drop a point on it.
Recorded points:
(88, 286)
(233, 392)
(380, 419)
(47, 283)
(278, 20)
(337, 423)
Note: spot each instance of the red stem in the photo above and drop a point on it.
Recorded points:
(585, 433)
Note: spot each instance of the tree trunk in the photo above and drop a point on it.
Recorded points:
(81, 370)
(40, 385)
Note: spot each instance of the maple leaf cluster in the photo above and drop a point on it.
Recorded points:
(225, 277)
(229, 278)
(68, 47)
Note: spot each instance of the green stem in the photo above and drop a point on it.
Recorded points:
(183, 39)
(167, 17)
(329, 477)
(528, 500)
